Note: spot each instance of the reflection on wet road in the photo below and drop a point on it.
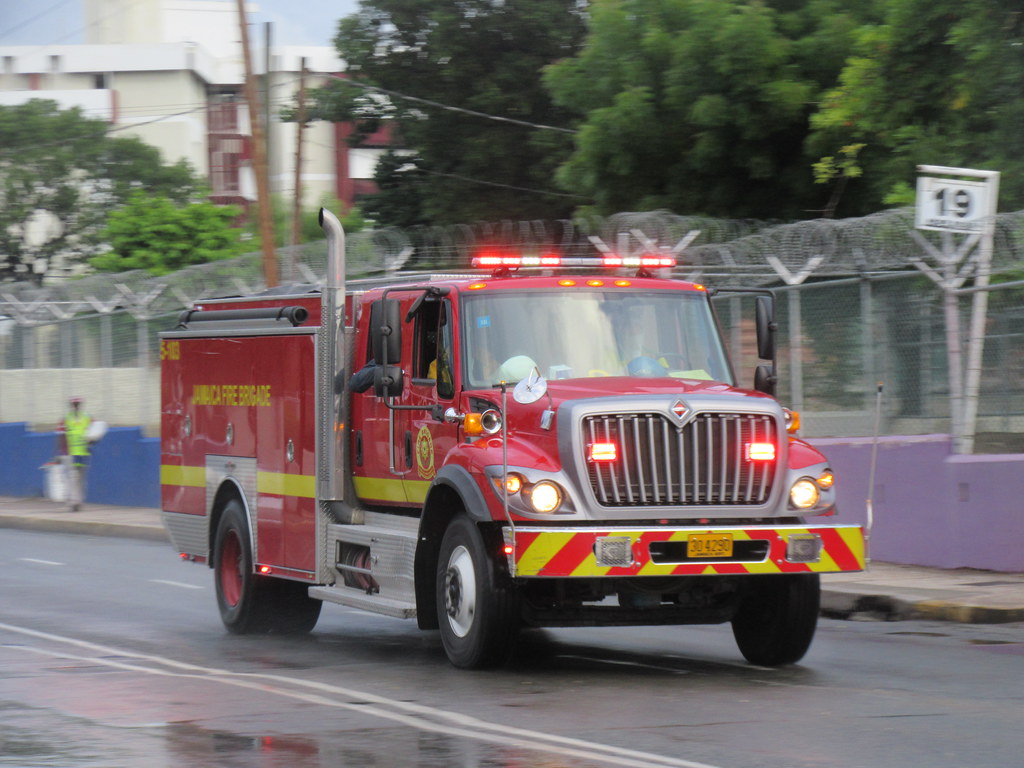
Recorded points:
(445, 729)
(112, 656)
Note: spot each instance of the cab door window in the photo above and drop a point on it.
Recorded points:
(432, 354)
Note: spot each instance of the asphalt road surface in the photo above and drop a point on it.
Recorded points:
(112, 655)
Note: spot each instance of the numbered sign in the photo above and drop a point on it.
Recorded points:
(950, 205)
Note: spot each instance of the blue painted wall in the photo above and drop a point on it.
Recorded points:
(124, 468)
(932, 508)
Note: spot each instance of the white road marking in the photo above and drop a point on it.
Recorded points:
(38, 562)
(176, 584)
(413, 715)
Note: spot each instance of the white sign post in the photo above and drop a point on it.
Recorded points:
(948, 203)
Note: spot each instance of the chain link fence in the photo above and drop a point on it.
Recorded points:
(854, 310)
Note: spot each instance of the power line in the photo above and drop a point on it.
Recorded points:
(504, 186)
(450, 108)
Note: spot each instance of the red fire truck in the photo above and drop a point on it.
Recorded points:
(542, 448)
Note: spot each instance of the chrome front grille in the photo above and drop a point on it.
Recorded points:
(659, 462)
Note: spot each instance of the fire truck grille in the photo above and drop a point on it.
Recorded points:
(658, 462)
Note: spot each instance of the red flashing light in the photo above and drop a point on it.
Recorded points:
(760, 452)
(265, 569)
(514, 262)
(508, 549)
(648, 260)
(498, 261)
(603, 452)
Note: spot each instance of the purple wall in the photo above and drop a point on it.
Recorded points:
(931, 507)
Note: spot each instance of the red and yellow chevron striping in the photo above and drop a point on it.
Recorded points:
(573, 552)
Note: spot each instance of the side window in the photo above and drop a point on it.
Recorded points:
(432, 357)
(425, 349)
(445, 379)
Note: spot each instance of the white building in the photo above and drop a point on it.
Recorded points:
(171, 73)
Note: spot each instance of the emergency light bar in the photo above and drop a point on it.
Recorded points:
(649, 261)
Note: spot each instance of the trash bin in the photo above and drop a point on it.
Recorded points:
(56, 478)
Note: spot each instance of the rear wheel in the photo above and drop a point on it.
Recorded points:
(250, 603)
(777, 618)
(477, 612)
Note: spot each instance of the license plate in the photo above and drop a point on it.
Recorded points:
(709, 545)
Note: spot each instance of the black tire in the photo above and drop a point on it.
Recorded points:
(250, 603)
(477, 609)
(777, 617)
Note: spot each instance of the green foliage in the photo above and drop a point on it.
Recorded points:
(479, 55)
(159, 235)
(309, 221)
(61, 174)
(700, 106)
(403, 190)
(935, 82)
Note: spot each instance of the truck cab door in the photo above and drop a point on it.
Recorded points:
(396, 465)
(425, 438)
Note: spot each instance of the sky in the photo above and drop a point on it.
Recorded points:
(60, 22)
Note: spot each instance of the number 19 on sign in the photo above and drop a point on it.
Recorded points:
(950, 205)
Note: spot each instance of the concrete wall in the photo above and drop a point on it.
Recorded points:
(931, 507)
(124, 467)
(118, 396)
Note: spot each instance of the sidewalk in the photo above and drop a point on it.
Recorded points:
(885, 592)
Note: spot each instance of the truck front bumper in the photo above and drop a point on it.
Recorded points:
(579, 552)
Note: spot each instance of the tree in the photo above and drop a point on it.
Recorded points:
(935, 82)
(701, 106)
(158, 235)
(403, 190)
(457, 58)
(61, 174)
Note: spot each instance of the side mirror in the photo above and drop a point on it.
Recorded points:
(764, 379)
(388, 381)
(765, 321)
(386, 331)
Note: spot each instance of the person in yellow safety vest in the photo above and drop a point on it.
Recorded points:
(77, 449)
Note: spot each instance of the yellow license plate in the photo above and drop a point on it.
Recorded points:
(709, 545)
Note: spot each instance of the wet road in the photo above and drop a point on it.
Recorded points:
(112, 654)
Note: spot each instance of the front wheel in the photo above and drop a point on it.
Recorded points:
(777, 617)
(249, 603)
(477, 608)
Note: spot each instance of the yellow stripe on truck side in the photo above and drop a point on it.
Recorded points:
(189, 477)
(283, 484)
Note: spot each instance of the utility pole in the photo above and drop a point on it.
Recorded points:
(297, 202)
(268, 124)
(259, 158)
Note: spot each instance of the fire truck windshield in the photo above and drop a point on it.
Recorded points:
(588, 333)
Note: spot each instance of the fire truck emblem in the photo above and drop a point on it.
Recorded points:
(425, 454)
(680, 410)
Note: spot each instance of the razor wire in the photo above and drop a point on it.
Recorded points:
(109, 322)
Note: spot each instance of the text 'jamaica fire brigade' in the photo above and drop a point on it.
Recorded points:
(551, 442)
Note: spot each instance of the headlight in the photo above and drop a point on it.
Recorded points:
(545, 497)
(804, 494)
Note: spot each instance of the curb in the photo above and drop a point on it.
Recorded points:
(852, 606)
(85, 527)
(839, 602)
